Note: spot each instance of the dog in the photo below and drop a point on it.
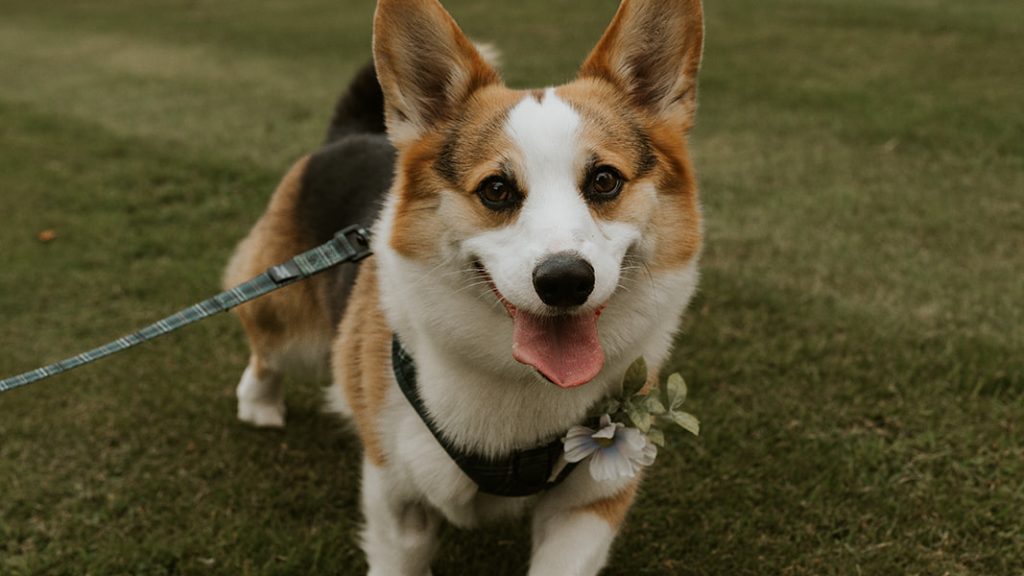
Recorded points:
(528, 247)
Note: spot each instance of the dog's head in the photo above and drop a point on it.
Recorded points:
(544, 201)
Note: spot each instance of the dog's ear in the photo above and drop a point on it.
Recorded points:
(426, 65)
(652, 50)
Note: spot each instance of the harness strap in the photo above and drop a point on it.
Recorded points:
(522, 473)
(350, 245)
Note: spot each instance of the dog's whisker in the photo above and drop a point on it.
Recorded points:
(433, 275)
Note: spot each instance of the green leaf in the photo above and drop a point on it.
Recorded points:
(635, 379)
(675, 391)
(686, 420)
(656, 436)
(607, 406)
(653, 404)
(620, 415)
(640, 418)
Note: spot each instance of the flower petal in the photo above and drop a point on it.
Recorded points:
(629, 451)
(627, 468)
(649, 454)
(634, 438)
(607, 433)
(627, 446)
(577, 431)
(601, 468)
(579, 447)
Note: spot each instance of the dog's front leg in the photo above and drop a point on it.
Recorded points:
(400, 537)
(573, 539)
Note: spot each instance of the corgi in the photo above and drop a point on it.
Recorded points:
(528, 247)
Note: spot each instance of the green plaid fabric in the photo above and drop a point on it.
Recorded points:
(350, 245)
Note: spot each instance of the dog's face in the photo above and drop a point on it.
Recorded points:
(549, 200)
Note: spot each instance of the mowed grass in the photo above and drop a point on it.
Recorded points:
(856, 352)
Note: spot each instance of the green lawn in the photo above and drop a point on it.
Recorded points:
(856, 353)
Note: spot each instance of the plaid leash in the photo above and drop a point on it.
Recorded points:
(350, 245)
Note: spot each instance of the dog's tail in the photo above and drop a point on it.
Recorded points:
(360, 108)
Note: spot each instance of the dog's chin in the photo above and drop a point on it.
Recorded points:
(563, 347)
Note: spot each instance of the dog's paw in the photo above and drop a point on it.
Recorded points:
(261, 414)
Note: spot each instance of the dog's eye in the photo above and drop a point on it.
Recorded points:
(606, 184)
(498, 194)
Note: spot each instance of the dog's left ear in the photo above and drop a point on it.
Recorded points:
(652, 50)
(426, 66)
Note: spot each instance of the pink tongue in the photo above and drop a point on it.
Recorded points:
(565, 349)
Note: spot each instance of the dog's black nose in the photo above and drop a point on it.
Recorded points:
(564, 279)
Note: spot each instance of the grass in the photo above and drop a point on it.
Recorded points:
(856, 353)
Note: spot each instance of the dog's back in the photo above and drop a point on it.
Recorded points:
(342, 183)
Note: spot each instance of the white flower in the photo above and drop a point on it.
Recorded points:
(614, 450)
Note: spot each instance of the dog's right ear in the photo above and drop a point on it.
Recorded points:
(426, 66)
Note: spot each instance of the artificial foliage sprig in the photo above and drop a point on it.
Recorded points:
(630, 429)
(647, 410)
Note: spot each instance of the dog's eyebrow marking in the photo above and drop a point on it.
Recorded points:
(464, 146)
(445, 164)
(625, 128)
(645, 150)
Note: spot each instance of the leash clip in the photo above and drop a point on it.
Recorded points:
(352, 244)
(355, 241)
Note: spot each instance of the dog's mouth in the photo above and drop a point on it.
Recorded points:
(563, 348)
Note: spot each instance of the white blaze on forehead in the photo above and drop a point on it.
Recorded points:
(547, 136)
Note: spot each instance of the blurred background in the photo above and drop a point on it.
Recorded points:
(856, 352)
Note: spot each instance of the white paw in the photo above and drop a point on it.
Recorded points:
(335, 402)
(261, 414)
(260, 402)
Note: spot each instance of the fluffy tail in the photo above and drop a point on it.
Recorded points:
(360, 109)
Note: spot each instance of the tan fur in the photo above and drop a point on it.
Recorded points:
(429, 201)
(613, 510)
(677, 222)
(418, 223)
(622, 60)
(477, 139)
(362, 360)
(410, 65)
(619, 132)
(613, 128)
(295, 313)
